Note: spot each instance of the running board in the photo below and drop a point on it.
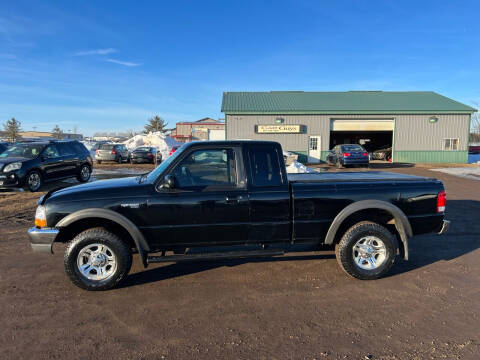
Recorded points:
(214, 256)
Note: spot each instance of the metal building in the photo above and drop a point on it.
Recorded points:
(418, 126)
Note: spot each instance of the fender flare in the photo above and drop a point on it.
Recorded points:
(140, 242)
(401, 221)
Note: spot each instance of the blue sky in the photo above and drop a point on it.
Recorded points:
(109, 65)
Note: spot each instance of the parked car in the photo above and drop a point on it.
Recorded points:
(235, 194)
(31, 164)
(173, 149)
(111, 152)
(145, 154)
(384, 153)
(348, 154)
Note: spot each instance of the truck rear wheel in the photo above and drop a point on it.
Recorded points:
(366, 251)
(97, 259)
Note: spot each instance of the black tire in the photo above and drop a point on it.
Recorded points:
(338, 164)
(345, 253)
(119, 159)
(99, 161)
(81, 176)
(32, 185)
(121, 252)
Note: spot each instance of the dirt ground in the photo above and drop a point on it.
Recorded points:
(302, 307)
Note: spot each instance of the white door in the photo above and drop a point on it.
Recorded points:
(314, 152)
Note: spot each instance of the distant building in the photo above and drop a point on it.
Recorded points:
(419, 126)
(203, 129)
(44, 135)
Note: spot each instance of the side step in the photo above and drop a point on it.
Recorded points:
(214, 256)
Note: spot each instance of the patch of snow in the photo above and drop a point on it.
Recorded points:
(298, 168)
(157, 139)
(465, 172)
(88, 144)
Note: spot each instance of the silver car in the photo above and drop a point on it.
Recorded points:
(111, 152)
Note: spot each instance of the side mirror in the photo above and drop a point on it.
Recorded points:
(169, 182)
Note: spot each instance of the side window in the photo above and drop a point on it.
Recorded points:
(79, 148)
(65, 149)
(51, 152)
(450, 144)
(265, 167)
(208, 167)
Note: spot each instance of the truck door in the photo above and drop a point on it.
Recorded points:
(208, 204)
(269, 194)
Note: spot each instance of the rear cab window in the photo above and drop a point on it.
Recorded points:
(265, 167)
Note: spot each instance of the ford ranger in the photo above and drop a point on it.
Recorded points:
(234, 199)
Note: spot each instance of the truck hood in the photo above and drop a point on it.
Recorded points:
(111, 188)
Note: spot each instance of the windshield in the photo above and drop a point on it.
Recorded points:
(161, 168)
(352, 148)
(29, 151)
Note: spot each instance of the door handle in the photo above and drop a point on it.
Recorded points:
(233, 200)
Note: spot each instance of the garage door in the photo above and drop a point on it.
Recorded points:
(216, 135)
(362, 125)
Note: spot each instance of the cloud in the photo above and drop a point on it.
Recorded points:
(96, 52)
(124, 63)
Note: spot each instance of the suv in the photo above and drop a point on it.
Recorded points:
(32, 164)
(111, 152)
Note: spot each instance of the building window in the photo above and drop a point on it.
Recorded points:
(450, 144)
(313, 143)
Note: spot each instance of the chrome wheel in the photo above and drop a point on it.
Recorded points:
(96, 262)
(85, 173)
(369, 253)
(34, 181)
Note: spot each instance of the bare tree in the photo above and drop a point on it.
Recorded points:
(12, 127)
(57, 132)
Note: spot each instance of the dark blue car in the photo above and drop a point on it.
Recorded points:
(348, 154)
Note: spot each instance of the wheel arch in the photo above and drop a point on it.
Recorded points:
(113, 217)
(402, 225)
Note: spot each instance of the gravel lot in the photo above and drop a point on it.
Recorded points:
(303, 307)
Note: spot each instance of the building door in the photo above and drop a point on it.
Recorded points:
(314, 152)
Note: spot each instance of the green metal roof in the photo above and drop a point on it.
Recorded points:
(349, 102)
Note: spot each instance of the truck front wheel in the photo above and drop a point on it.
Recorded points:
(97, 259)
(366, 251)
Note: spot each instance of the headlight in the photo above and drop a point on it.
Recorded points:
(12, 166)
(41, 217)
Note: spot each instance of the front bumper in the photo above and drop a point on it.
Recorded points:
(11, 179)
(42, 240)
(443, 227)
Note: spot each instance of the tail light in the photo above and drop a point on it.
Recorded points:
(441, 201)
(346, 154)
(150, 155)
(365, 154)
(114, 152)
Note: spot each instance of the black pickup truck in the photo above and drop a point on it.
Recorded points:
(227, 199)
